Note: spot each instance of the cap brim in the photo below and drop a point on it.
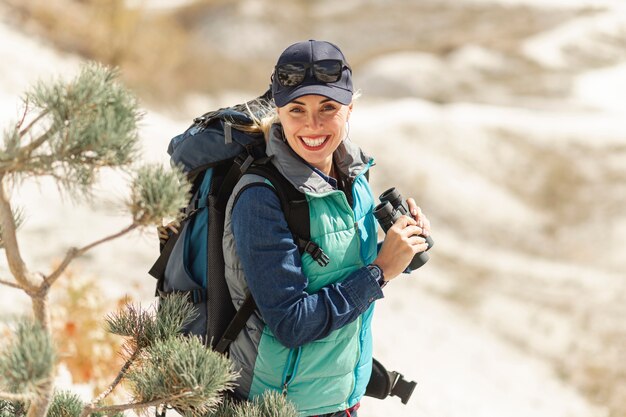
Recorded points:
(337, 94)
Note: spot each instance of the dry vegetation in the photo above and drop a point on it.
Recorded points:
(216, 45)
(85, 348)
(151, 50)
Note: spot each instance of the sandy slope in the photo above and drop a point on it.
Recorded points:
(462, 368)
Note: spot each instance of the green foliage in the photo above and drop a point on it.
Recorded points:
(144, 328)
(68, 404)
(271, 404)
(158, 193)
(26, 363)
(75, 128)
(131, 323)
(12, 409)
(10, 143)
(69, 131)
(65, 404)
(174, 313)
(182, 372)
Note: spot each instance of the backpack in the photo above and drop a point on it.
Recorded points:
(214, 152)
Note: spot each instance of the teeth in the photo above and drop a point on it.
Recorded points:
(314, 142)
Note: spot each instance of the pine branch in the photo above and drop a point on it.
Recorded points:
(182, 365)
(32, 123)
(87, 123)
(10, 396)
(131, 406)
(117, 380)
(157, 193)
(27, 361)
(9, 239)
(73, 253)
(37, 142)
(24, 114)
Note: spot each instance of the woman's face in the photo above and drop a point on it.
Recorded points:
(314, 128)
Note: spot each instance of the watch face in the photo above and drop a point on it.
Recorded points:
(375, 271)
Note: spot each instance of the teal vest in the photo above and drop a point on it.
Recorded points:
(330, 374)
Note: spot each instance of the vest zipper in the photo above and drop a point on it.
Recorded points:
(358, 238)
(358, 358)
(291, 370)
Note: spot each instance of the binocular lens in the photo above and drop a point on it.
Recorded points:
(392, 195)
(395, 199)
(384, 214)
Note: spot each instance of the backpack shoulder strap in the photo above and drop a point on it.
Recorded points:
(236, 324)
(296, 209)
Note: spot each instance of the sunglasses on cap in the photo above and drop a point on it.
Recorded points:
(292, 74)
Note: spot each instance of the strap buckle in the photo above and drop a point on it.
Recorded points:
(243, 161)
(317, 253)
(400, 387)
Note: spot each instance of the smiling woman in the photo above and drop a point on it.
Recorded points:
(314, 126)
(311, 337)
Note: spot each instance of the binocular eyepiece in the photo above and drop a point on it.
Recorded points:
(390, 209)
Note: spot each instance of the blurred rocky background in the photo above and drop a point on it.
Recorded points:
(503, 118)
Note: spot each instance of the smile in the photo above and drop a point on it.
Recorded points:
(314, 142)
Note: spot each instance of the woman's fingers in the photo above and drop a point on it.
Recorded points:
(418, 244)
(163, 233)
(411, 230)
(416, 212)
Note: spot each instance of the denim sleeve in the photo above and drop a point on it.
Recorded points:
(273, 269)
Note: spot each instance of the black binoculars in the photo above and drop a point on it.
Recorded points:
(391, 208)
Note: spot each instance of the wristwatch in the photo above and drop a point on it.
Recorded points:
(377, 273)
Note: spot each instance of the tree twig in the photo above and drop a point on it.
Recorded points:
(76, 252)
(32, 123)
(11, 284)
(121, 407)
(10, 396)
(21, 122)
(37, 142)
(117, 380)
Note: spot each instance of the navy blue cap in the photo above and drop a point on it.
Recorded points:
(310, 51)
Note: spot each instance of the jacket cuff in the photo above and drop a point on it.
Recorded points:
(363, 288)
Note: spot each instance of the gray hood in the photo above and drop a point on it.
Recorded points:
(349, 160)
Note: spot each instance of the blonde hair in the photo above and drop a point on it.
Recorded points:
(264, 114)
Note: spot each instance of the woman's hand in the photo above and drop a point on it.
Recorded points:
(163, 232)
(401, 243)
(417, 214)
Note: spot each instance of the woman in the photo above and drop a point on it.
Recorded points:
(311, 336)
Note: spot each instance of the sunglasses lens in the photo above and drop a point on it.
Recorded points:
(327, 71)
(290, 75)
